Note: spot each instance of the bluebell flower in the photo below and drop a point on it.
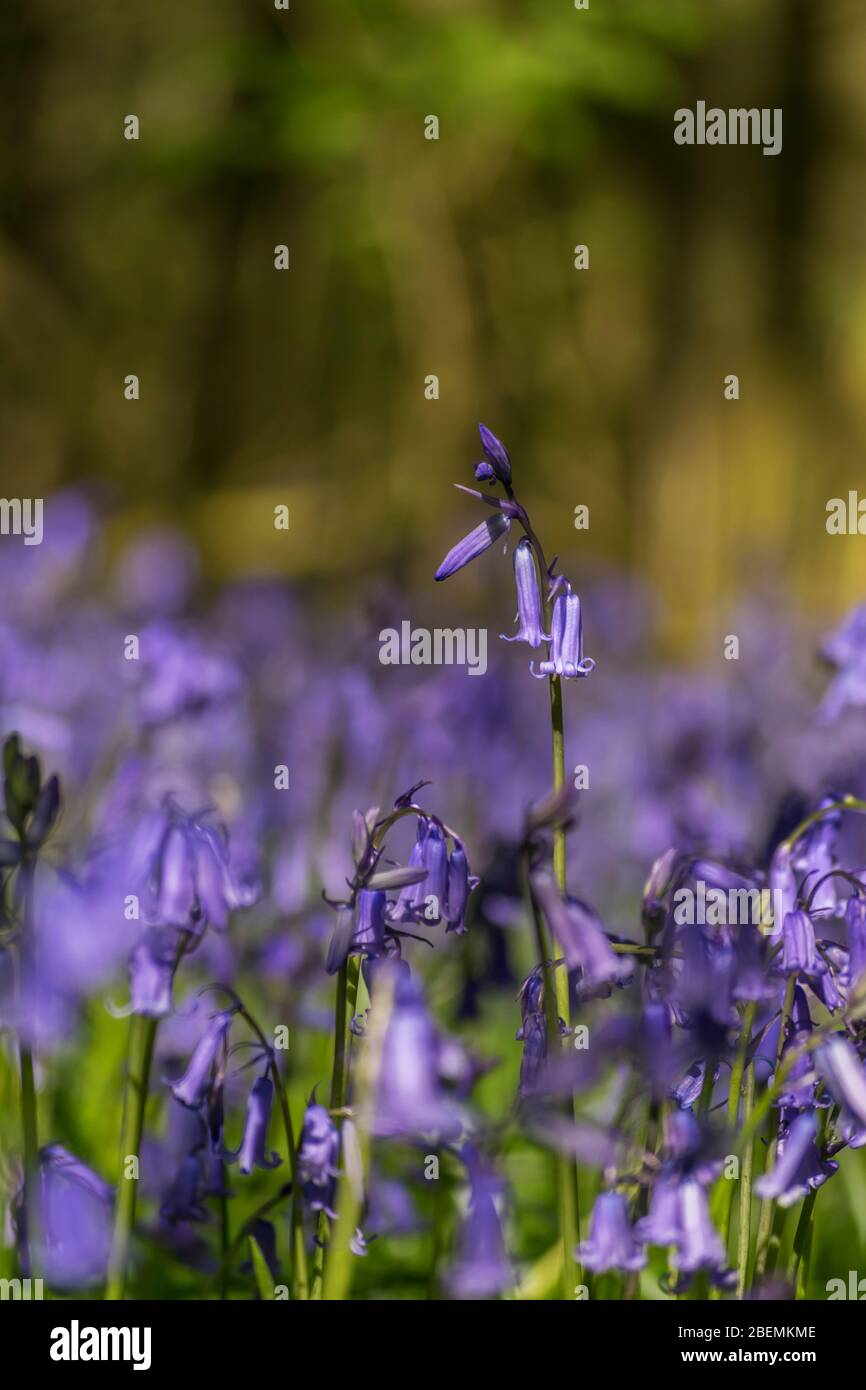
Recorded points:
(799, 950)
(183, 1200)
(317, 1159)
(152, 965)
(485, 534)
(845, 649)
(76, 1216)
(611, 1244)
(566, 656)
(855, 922)
(460, 885)
(192, 1088)
(578, 931)
(183, 867)
(529, 606)
(845, 1078)
(798, 1168)
(252, 1152)
(410, 1097)
(370, 921)
(482, 1268)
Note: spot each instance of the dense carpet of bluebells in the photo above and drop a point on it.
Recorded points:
(326, 979)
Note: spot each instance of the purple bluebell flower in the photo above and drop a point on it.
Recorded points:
(460, 885)
(700, 1246)
(578, 931)
(76, 1220)
(855, 922)
(152, 965)
(611, 1244)
(799, 950)
(252, 1152)
(496, 455)
(566, 657)
(799, 1167)
(370, 921)
(529, 607)
(183, 1199)
(317, 1158)
(485, 534)
(533, 1034)
(411, 1098)
(663, 1223)
(845, 1078)
(192, 1088)
(186, 875)
(845, 649)
(482, 1269)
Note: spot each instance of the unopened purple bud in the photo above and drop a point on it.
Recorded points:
(484, 473)
(484, 535)
(497, 454)
(529, 609)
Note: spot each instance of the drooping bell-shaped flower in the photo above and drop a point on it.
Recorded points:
(483, 1269)
(845, 1078)
(317, 1159)
(566, 656)
(74, 1239)
(186, 877)
(579, 934)
(529, 606)
(799, 950)
(855, 922)
(252, 1152)
(485, 534)
(611, 1243)
(370, 921)
(799, 1167)
(700, 1246)
(151, 972)
(460, 885)
(75, 1214)
(410, 1097)
(192, 1088)
(183, 1198)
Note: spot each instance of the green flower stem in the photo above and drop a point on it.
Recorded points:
(565, 1184)
(31, 1154)
(725, 1205)
(798, 1265)
(765, 1219)
(142, 1036)
(569, 1174)
(27, 1089)
(339, 1264)
(744, 1228)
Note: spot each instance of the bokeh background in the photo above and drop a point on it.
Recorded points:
(411, 257)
